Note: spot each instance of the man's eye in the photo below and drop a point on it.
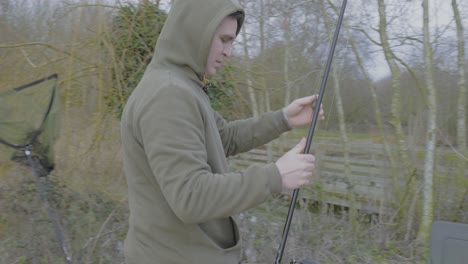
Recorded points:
(226, 40)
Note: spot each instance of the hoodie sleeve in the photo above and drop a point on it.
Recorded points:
(243, 135)
(173, 136)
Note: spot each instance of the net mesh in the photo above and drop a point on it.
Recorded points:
(30, 117)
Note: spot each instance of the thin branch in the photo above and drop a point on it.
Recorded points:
(50, 46)
(367, 35)
(27, 58)
(85, 5)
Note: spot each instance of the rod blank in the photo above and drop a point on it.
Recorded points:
(310, 136)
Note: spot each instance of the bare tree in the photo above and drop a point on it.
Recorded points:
(252, 97)
(406, 198)
(431, 133)
(375, 100)
(461, 104)
(342, 126)
(287, 9)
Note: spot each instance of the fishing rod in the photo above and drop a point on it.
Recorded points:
(318, 103)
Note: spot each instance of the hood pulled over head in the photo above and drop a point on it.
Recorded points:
(187, 34)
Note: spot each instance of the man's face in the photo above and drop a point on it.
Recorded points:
(221, 45)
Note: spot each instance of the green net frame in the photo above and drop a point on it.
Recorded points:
(30, 119)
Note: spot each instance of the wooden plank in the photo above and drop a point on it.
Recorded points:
(370, 170)
(368, 192)
(363, 205)
(358, 170)
(355, 161)
(327, 176)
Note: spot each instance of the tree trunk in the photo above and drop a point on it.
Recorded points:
(252, 97)
(375, 101)
(403, 149)
(286, 55)
(343, 133)
(287, 39)
(427, 184)
(461, 104)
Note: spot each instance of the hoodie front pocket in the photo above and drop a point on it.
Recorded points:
(222, 233)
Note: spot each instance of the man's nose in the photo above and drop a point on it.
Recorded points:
(227, 50)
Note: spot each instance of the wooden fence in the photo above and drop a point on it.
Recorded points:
(368, 174)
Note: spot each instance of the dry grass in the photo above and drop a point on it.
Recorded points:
(326, 237)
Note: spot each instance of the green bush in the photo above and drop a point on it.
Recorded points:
(135, 31)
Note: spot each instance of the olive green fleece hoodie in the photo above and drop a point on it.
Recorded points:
(175, 145)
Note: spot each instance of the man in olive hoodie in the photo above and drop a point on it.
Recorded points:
(181, 195)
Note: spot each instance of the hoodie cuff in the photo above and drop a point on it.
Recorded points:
(285, 116)
(275, 184)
